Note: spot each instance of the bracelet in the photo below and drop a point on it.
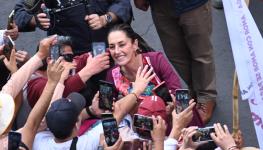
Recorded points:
(90, 113)
(232, 147)
(135, 96)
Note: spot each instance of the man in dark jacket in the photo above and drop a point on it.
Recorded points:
(85, 21)
(184, 27)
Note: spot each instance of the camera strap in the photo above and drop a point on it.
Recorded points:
(73, 145)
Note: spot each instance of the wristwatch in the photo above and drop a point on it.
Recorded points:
(108, 18)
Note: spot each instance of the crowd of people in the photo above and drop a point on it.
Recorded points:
(57, 103)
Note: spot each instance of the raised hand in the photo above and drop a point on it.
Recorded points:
(22, 56)
(117, 146)
(11, 64)
(54, 70)
(223, 138)
(44, 46)
(98, 63)
(159, 128)
(143, 77)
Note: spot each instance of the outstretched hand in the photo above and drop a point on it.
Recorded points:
(44, 46)
(222, 137)
(11, 64)
(143, 77)
(54, 70)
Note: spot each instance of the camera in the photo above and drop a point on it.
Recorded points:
(107, 92)
(110, 129)
(57, 49)
(8, 46)
(203, 134)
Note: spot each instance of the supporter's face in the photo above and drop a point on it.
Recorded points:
(122, 48)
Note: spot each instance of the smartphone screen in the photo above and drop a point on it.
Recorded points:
(203, 134)
(106, 95)
(162, 91)
(14, 139)
(10, 20)
(143, 122)
(8, 46)
(98, 48)
(110, 129)
(55, 52)
(182, 99)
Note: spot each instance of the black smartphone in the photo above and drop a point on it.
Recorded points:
(106, 115)
(203, 134)
(142, 122)
(110, 129)
(10, 20)
(162, 91)
(55, 52)
(98, 48)
(14, 139)
(182, 99)
(8, 46)
(106, 95)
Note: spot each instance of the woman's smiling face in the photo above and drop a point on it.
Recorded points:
(122, 48)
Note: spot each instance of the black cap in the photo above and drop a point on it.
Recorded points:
(63, 114)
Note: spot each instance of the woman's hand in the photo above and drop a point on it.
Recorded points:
(143, 77)
(98, 63)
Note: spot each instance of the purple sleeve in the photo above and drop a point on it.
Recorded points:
(165, 71)
(109, 77)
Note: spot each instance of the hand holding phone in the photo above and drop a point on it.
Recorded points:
(98, 48)
(8, 46)
(182, 99)
(106, 95)
(110, 129)
(203, 134)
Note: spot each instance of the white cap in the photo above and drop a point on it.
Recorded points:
(7, 111)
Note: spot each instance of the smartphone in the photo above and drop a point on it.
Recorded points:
(106, 90)
(143, 122)
(10, 20)
(110, 129)
(8, 46)
(98, 48)
(55, 52)
(203, 134)
(162, 91)
(106, 115)
(14, 139)
(182, 99)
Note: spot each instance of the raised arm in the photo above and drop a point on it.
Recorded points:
(36, 115)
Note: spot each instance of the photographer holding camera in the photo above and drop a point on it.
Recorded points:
(86, 21)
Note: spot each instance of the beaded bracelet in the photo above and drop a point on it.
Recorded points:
(232, 147)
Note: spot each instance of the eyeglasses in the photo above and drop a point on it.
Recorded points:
(68, 57)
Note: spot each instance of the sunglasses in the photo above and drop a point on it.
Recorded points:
(68, 57)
